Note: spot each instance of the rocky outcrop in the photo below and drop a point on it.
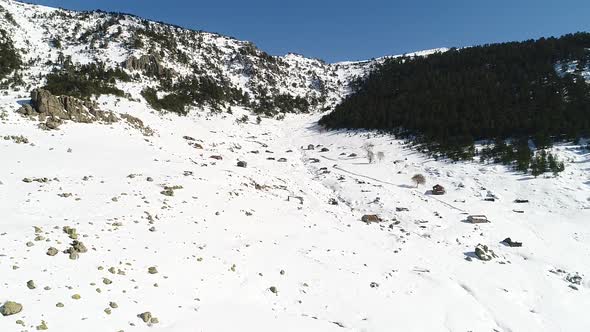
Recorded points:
(45, 103)
(52, 110)
(149, 64)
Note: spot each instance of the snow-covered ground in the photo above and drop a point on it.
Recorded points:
(231, 236)
(265, 247)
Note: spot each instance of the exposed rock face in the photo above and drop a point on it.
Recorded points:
(53, 111)
(150, 64)
(137, 124)
(45, 103)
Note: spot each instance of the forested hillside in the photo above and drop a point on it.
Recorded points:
(534, 89)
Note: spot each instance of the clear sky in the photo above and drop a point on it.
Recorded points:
(337, 30)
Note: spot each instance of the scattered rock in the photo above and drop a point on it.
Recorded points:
(167, 192)
(242, 164)
(508, 241)
(371, 218)
(484, 253)
(72, 232)
(146, 316)
(31, 284)
(152, 270)
(10, 308)
(574, 279)
(42, 326)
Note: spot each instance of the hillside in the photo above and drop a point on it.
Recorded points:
(244, 214)
(169, 59)
(535, 89)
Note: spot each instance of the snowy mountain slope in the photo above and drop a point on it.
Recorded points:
(263, 247)
(230, 236)
(47, 36)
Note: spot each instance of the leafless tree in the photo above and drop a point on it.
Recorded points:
(368, 148)
(418, 179)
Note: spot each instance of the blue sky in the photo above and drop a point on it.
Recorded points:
(336, 30)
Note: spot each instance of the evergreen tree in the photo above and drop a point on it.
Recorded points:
(446, 101)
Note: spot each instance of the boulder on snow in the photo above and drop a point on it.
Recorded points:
(242, 164)
(371, 218)
(10, 308)
(26, 110)
(508, 241)
(484, 253)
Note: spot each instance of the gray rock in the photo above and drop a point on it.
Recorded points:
(10, 308)
(146, 316)
(42, 326)
(371, 218)
(31, 284)
(484, 253)
(242, 164)
(52, 251)
(78, 246)
(44, 102)
(150, 64)
(27, 110)
(53, 110)
(52, 124)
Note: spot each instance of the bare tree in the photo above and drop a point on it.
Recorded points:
(368, 148)
(370, 156)
(418, 179)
